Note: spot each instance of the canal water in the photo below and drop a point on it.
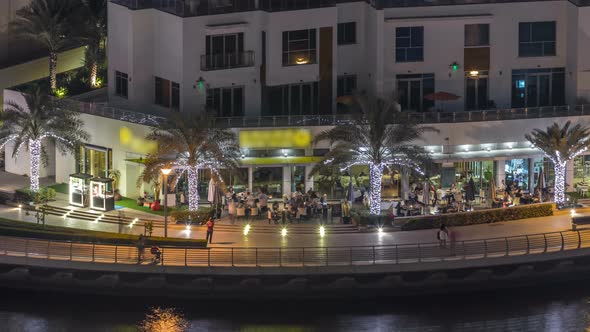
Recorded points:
(559, 308)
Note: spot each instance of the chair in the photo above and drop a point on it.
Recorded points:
(301, 213)
(254, 212)
(240, 212)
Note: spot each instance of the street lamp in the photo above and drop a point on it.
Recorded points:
(166, 172)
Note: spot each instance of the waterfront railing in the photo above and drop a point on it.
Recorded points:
(522, 245)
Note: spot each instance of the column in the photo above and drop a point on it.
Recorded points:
(250, 177)
(569, 176)
(405, 180)
(531, 175)
(308, 178)
(287, 180)
(500, 171)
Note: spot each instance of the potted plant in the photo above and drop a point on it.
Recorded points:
(115, 175)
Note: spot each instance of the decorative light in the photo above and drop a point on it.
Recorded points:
(375, 176)
(301, 61)
(454, 66)
(166, 171)
(284, 232)
(474, 73)
(322, 231)
(35, 150)
(246, 229)
(193, 192)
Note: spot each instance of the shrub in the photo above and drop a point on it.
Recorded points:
(195, 217)
(27, 195)
(479, 217)
(364, 218)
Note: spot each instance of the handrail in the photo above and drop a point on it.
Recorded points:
(490, 248)
(104, 110)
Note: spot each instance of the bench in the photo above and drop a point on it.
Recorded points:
(581, 220)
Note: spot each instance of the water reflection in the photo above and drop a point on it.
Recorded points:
(163, 320)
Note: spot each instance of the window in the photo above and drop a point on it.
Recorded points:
(299, 47)
(412, 89)
(226, 101)
(476, 90)
(409, 44)
(293, 99)
(94, 160)
(346, 85)
(167, 93)
(121, 84)
(538, 87)
(477, 34)
(346, 33)
(536, 39)
(224, 51)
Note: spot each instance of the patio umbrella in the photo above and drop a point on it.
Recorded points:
(211, 192)
(426, 196)
(441, 96)
(470, 191)
(350, 191)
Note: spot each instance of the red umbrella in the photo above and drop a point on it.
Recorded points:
(441, 96)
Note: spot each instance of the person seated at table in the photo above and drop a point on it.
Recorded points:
(453, 188)
(517, 195)
(506, 199)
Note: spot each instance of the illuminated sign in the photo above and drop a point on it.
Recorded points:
(278, 138)
(136, 144)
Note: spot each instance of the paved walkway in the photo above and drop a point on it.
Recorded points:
(228, 239)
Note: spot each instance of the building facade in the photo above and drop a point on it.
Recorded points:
(269, 66)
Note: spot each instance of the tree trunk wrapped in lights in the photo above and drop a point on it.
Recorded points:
(42, 118)
(380, 138)
(188, 144)
(53, 71)
(560, 145)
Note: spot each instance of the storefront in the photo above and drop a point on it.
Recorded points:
(94, 160)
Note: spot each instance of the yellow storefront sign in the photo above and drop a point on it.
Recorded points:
(278, 138)
(136, 144)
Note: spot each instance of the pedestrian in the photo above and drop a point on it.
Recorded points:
(269, 214)
(210, 224)
(442, 236)
(452, 237)
(140, 248)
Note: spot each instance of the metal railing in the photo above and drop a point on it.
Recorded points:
(227, 60)
(301, 256)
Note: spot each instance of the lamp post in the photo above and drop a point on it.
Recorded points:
(165, 172)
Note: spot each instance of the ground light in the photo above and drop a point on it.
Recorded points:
(188, 228)
(573, 211)
(322, 231)
(246, 229)
(380, 230)
(284, 231)
(20, 206)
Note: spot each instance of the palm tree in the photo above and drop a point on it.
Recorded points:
(560, 145)
(43, 118)
(378, 138)
(95, 34)
(188, 144)
(47, 22)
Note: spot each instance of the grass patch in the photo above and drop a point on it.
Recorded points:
(9, 227)
(61, 188)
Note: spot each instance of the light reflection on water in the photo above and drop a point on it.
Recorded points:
(547, 308)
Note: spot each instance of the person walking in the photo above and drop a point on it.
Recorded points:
(140, 248)
(442, 236)
(210, 224)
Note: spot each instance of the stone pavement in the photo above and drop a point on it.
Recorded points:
(236, 239)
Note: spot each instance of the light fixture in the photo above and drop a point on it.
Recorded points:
(488, 149)
(301, 61)
(188, 228)
(466, 150)
(474, 73)
(243, 156)
(166, 171)
(380, 230)
(510, 146)
(20, 206)
(247, 229)
(285, 154)
(454, 66)
(200, 82)
(322, 231)
(573, 211)
(284, 232)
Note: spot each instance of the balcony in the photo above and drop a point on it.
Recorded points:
(227, 60)
(284, 5)
(134, 4)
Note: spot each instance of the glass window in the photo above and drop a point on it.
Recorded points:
(293, 99)
(346, 85)
(175, 95)
(517, 171)
(409, 44)
(476, 90)
(346, 33)
(298, 179)
(166, 93)
(412, 89)
(224, 51)
(226, 101)
(477, 34)
(538, 87)
(581, 169)
(299, 47)
(94, 160)
(121, 84)
(268, 180)
(536, 39)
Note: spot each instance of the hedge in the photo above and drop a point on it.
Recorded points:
(195, 217)
(17, 228)
(479, 217)
(27, 195)
(364, 218)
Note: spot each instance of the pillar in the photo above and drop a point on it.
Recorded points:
(287, 180)
(308, 178)
(405, 181)
(569, 176)
(499, 165)
(531, 175)
(250, 177)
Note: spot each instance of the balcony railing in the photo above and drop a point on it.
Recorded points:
(332, 120)
(227, 60)
(284, 5)
(513, 246)
(134, 4)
